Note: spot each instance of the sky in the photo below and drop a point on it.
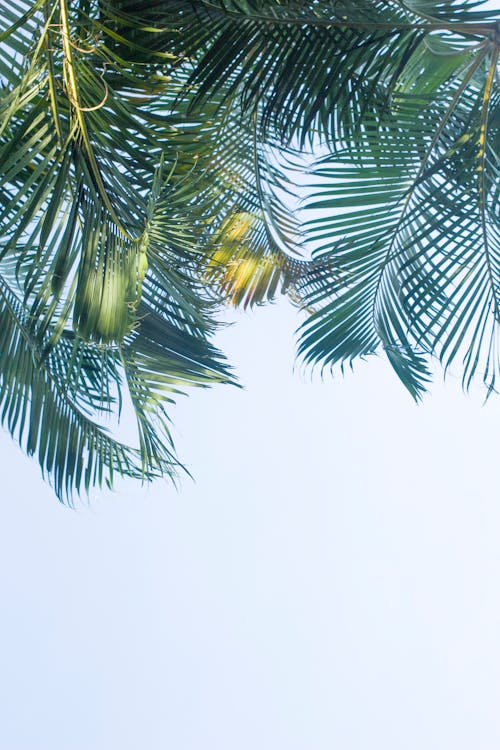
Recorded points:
(330, 580)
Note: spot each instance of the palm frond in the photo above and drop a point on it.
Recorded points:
(41, 410)
(93, 223)
(414, 233)
(304, 67)
(145, 178)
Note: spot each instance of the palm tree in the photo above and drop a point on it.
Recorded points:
(146, 153)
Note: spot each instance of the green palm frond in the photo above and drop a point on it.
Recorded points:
(41, 409)
(258, 240)
(414, 223)
(304, 67)
(147, 156)
(99, 210)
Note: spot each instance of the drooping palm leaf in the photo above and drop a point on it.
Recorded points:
(413, 223)
(142, 179)
(40, 408)
(87, 198)
(304, 67)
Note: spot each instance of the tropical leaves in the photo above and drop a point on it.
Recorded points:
(148, 161)
(41, 409)
(89, 207)
(416, 227)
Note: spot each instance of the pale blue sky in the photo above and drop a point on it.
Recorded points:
(331, 580)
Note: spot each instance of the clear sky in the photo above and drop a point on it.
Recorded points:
(331, 580)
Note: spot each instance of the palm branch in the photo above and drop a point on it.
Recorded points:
(412, 225)
(101, 223)
(404, 97)
(145, 175)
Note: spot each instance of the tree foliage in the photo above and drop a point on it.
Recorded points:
(146, 154)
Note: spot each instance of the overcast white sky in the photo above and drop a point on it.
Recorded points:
(331, 580)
